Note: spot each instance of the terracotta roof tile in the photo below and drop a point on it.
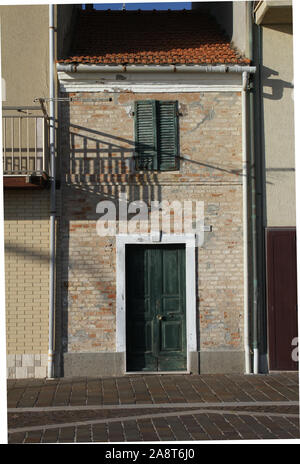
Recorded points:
(150, 37)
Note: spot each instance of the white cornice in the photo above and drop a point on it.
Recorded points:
(149, 82)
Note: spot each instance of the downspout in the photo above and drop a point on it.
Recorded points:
(260, 204)
(254, 247)
(52, 194)
(245, 222)
(253, 211)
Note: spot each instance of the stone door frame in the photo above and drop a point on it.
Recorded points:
(191, 326)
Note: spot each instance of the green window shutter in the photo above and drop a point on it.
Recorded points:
(145, 135)
(167, 124)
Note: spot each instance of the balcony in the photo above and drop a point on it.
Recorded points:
(25, 147)
(273, 12)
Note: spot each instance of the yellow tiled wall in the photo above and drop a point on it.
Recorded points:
(26, 215)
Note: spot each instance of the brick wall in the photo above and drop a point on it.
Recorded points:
(26, 229)
(96, 164)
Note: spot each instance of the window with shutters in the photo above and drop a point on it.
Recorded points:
(156, 135)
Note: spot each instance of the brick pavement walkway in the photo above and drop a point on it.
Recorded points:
(154, 408)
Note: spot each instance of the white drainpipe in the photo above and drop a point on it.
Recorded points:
(245, 222)
(52, 194)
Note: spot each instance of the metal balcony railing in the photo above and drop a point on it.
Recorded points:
(25, 142)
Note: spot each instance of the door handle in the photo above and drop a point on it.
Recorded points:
(159, 317)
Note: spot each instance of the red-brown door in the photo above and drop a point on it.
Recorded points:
(282, 298)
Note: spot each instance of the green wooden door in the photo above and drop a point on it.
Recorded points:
(155, 308)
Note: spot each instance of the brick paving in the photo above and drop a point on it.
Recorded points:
(153, 408)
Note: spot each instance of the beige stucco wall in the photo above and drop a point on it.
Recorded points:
(278, 125)
(25, 48)
(24, 52)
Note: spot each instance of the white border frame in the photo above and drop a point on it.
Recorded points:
(190, 256)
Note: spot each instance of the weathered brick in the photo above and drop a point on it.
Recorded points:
(96, 155)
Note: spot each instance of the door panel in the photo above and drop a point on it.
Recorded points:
(171, 336)
(282, 297)
(140, 327)
(155, 308)
(172, 349)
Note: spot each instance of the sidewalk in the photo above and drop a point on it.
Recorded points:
(154, 408)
